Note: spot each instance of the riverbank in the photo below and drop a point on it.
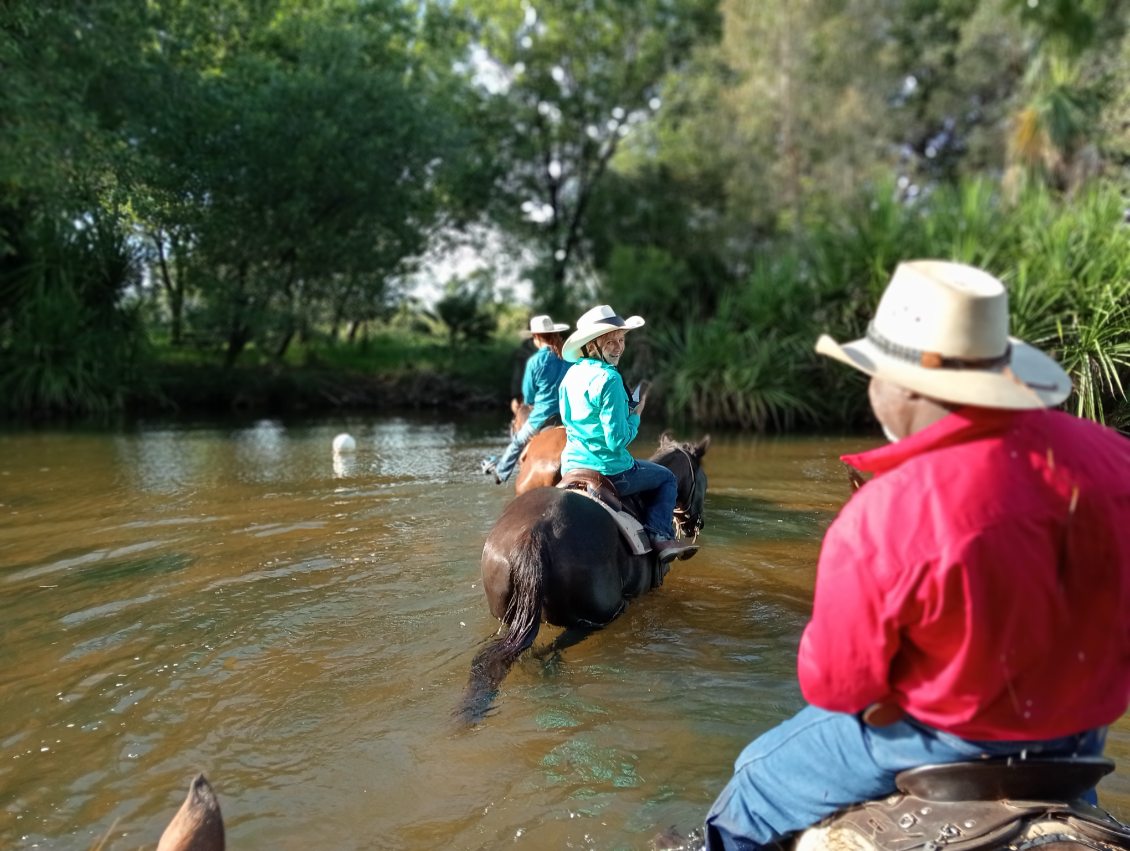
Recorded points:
(273, 390)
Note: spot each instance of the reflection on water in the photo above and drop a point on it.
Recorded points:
(239, 600)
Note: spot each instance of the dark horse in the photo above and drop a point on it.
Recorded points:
(558, 556)
(539, 465)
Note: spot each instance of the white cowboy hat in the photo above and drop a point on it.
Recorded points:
(543, 324)
(593, 323)
(941, 329)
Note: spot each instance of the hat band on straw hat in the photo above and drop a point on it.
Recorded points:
(934, 360)
(941, 330)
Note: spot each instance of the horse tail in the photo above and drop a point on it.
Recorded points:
(521, 623)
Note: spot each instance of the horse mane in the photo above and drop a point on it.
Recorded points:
(669, 443)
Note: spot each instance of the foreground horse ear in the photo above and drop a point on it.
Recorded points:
(198, 825)
(701, 447)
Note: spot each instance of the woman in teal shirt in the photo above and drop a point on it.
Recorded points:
(601, 421)
(544, 371)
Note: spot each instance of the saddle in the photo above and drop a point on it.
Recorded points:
(1005, 778)
(593, 484)
(974, 805)
(600, 489)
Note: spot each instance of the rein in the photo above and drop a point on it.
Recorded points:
(682, 511)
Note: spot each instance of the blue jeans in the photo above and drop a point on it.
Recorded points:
(818, 762)
(662, 490)
(505, 465)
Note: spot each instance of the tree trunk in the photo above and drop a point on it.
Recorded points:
(238, 338)
(174, 290)
(284, 343)
(239, 332)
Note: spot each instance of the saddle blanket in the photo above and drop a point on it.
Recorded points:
(630, 527)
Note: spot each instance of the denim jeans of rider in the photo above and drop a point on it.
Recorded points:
(505, 465)
(818, 762)
(649, 476)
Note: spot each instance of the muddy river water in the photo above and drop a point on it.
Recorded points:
(233, 599)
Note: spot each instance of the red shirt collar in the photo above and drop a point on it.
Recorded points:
(967, 423)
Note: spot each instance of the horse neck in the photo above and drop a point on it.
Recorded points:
(680, 462)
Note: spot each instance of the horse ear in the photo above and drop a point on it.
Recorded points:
(198, 825)
(666, 438)
(514, 405)
(702, 446)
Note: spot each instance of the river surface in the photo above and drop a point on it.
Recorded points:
(233, 599)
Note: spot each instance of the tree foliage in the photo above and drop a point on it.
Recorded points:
(239, 175)
(575, 77)
(276, 163)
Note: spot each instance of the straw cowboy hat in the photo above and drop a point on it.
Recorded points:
(593, 323)
(941, 330)
(543, 324)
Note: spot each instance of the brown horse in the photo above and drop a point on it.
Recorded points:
(559, 556)
(539, 465)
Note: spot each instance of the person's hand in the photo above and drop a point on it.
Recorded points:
(642, 388)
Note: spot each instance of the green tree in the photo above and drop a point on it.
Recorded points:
(67, 344)
(574, 78)
(304, 164)
(466, 309)
(1073, 74)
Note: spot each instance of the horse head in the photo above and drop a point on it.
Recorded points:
(685, 461)
(521, 413)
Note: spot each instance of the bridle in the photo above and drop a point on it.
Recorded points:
(684, 519)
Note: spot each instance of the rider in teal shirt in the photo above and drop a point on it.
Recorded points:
(601, 421)
(540, 381)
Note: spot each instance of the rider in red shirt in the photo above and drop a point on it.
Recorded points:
(985, 566)
(989, 550)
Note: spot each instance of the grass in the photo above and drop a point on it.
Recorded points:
(390, 369)
(1066, 264)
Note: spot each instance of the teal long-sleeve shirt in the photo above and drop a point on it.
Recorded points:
(540, 384)
(599, 424)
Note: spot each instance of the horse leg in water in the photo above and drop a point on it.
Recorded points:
(198, 824)
(551, 654)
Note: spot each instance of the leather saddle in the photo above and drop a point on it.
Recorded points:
(985, 804)
(600, 487)
(626, 511)
(593, 484)
(1005, 778)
